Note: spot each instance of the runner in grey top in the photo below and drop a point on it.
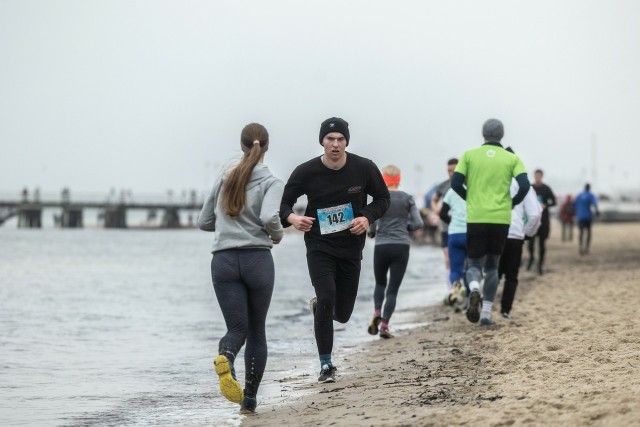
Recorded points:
(393, 226)
(243, 212)
(391, 253)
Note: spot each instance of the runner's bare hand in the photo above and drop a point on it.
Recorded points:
(359, 225)
(300, 222)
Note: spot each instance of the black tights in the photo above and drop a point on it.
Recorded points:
(390, 259)
(541, 250)
(335, 281)
(509, 267)
(243, 281)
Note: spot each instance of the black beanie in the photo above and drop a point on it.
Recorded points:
(334, 124)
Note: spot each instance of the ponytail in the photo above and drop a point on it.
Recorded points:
(254, 142)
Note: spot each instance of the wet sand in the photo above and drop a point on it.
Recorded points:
(570, 355)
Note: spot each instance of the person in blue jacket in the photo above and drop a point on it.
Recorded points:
(583, 204)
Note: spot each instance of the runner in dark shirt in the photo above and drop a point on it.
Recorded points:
(547, 199)
(335, 221)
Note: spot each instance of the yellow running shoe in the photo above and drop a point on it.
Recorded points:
(455, 293)
(373, 326)
(463, 292)
(229, 387)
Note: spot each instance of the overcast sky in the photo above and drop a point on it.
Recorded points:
(152, 95)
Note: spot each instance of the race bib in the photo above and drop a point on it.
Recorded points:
(334, 219)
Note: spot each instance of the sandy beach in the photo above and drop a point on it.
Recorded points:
(570, 355)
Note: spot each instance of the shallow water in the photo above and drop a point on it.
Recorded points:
(108, 327)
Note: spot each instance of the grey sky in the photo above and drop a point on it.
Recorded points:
(151, 95)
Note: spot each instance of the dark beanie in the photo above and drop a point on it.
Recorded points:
(492, 130)
(334, 124)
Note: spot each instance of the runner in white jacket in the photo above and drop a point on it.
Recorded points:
(525, 220)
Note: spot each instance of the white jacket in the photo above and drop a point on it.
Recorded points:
(526, 216)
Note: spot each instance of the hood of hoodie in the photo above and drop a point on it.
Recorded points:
(260, 173)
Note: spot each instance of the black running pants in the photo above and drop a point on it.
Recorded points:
(509, 267)
(389, 259)
(335, 281)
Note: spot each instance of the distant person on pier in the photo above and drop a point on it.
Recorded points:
(567, 218)
(243, 212)
(584, 202)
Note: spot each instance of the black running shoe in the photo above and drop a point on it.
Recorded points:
(327, 374)
(248, 405)
(485, 321)
(475, 305)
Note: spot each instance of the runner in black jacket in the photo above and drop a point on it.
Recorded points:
(335, 222)
(547, 199)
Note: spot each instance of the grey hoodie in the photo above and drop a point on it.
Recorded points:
(401, 217)
(257, 224)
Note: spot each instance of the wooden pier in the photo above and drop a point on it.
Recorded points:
(113, 214)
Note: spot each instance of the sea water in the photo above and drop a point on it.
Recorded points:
(119, 327)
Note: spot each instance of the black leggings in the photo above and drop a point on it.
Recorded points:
(542, 250)
(335, 281)
(509, 267)
(390, 259)
(243, 281)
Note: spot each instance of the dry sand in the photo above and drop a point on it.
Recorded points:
(570, 355)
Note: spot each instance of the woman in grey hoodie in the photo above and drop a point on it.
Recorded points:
(243, 212)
